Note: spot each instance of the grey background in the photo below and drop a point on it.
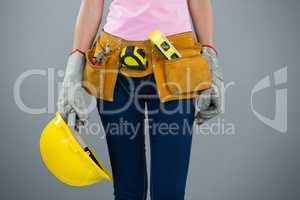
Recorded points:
(255, 39)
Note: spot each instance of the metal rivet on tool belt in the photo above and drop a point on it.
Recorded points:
(107, 48)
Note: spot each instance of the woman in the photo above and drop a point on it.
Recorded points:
(123, 94)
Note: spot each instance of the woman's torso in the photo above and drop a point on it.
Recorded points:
(135, 19)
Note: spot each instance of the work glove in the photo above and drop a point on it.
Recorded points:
(210, 102)
(71, 96)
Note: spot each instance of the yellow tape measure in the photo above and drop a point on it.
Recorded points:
(133, 58)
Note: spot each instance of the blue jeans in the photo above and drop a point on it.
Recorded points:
(170, 129)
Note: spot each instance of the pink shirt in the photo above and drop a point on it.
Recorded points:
(135, 19)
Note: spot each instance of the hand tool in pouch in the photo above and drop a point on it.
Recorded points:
(133, 57)
(164, 45)
(98, 55)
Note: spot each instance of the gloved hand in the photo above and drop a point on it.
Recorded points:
(71, 97)
(210, 102)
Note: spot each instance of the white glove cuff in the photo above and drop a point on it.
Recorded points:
(74, 67)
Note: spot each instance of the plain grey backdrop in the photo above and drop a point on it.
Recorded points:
(255, 39)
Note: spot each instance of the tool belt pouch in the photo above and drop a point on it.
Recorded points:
(189, 73)
(94, 74)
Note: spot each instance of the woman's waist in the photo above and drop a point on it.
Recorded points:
(139, 29)
(183, 39)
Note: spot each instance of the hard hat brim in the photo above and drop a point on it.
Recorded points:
(66, 159)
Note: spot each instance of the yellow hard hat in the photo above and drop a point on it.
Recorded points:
(66, 158)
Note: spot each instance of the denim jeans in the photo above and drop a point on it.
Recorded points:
(170, 133)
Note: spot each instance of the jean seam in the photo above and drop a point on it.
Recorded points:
(144, 191)
(123, 86)
(151, 176)
(151, 187)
